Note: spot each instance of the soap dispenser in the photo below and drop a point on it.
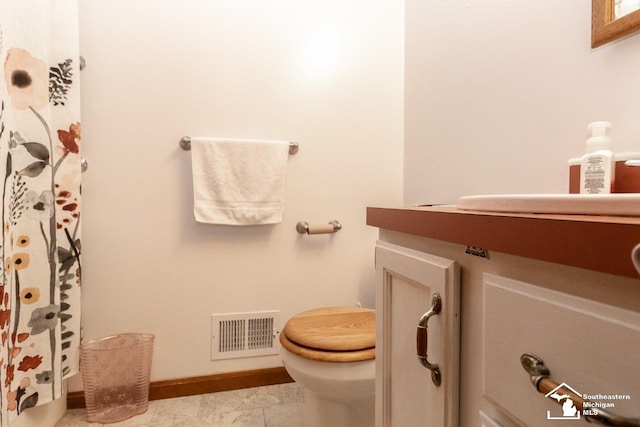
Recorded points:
(597, 167)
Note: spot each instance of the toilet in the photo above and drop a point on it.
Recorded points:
(330, 352)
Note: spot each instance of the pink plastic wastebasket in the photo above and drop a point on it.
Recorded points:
(115, 375)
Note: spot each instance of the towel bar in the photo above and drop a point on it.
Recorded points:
(185, 144)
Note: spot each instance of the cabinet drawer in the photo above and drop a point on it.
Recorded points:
(592, 347)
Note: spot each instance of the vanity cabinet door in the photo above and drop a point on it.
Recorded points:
(406, 281)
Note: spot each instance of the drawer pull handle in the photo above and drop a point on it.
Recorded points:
(543, 384)
(422, 339)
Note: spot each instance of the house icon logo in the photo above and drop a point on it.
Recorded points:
(569, 409)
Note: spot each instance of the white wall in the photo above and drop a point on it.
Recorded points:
(498, 95)
(327, 74)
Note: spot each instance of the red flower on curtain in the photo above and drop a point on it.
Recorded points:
(29, 363)
(71, 138)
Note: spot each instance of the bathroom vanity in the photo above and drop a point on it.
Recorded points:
(559, 288)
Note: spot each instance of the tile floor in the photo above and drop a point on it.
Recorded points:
(269, 406)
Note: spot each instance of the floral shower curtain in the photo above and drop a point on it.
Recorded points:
(40, 172)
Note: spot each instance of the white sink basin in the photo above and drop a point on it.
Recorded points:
(626, 204)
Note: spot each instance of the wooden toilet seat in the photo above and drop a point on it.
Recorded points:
(332, 334)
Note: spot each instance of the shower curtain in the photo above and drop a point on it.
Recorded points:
(40, 172)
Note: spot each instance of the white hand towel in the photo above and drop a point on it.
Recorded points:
(238, 181)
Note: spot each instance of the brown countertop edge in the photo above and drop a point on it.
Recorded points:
(598, 243)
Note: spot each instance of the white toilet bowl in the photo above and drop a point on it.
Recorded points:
(330, 352)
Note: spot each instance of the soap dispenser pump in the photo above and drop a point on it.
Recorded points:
(597, 168)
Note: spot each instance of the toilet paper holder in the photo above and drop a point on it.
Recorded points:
(303, 227)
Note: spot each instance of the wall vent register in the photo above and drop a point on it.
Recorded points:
(239, 335)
